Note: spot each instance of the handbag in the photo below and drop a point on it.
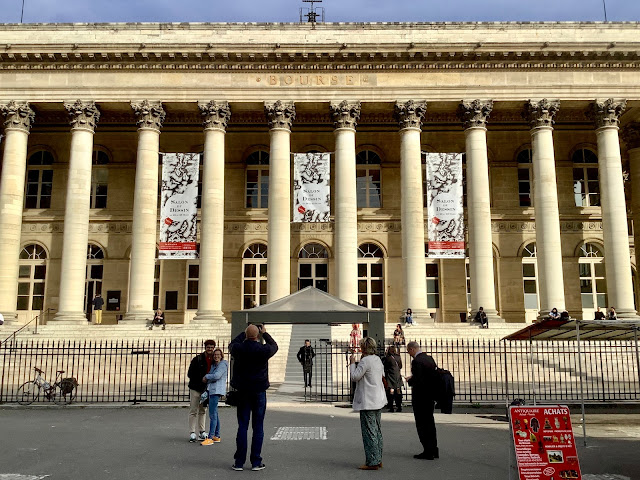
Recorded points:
(204, 398)
(232, 398)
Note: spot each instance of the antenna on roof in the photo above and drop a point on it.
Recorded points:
(312, 13)
(22, 12)
(604, 5)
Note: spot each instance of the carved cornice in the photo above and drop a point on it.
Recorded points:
(631, 135)
(410, 114)
(542, 113)
(527, 226)
(280, 114)
(19, 116)
(83, 115)
(216, 115)
(607, 113)
(345, 114)
(94, 227)
(150, 114)
(474, 113)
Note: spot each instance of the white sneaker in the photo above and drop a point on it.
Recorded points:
(203, 435)
(193, 438)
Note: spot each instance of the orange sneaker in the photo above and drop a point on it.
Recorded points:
(217, 439)
(208, 441)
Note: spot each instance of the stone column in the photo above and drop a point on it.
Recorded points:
(606, 115)
(345, 117)
(73, 268)
(280, 116)
(474, 117)
(631, 136)
(19, 118)
(216, 117)
(541, 117)
(409, 116)
(145, 212)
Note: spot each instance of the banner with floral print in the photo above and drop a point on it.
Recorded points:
(311, 194)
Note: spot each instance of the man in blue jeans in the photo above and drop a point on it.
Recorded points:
(250, 377)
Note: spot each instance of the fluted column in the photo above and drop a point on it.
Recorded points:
(145, 212)
(474, 117)
(541, 117)
(409, 115)
(345, 117)
(631, 136)
(216, 117)
(83, 118)
(280, 116)
(606, 115)
(18, 121)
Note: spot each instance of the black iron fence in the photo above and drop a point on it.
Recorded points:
(486, 371)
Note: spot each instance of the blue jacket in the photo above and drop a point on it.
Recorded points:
(251, 363)
(217, 378)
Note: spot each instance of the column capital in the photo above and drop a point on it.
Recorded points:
(19, 116)
(541, 113)
(345, 114)
(280, 114)
(606, 113)
(83, 115)
(631, 135)
(216, 115)
(150, 114)
(474, 113)
(410, 114)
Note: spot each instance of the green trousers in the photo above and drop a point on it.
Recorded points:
(371, 436)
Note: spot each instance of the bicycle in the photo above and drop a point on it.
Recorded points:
(62, 391)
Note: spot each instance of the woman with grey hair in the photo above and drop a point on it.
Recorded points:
(369, 399)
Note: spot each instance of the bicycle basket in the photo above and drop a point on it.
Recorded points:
(67, 385)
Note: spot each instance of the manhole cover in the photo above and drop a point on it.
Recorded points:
(300, 433)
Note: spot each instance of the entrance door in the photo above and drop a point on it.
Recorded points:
(92, 286)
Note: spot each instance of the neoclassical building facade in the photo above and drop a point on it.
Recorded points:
(546, 116)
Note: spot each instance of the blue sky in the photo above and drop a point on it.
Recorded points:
(36, 11)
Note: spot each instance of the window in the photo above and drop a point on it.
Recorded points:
(94, 274)
(530, 277)
(593, 285)
(193, 276)
(464, 179)
(525, 175)
(370, 276)
(467, 272)
(433, 290)
(368, 179)
(313, 267)
(32, 272)
(257, 184)
(586, 189)
(254, 276)
(39, 180)
(99, 179)
(199, 197)
(156, 282)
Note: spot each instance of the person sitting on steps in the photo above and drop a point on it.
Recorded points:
(158, 319)
(481, 317)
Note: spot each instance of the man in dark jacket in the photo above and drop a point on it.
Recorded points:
(199, 367)
(423, 383)
(393, 375)
(305, 357)
(250, 377)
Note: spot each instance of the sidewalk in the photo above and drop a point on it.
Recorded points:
(151, 443)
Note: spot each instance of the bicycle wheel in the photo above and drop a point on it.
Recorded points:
(64, 392)
(28, 393)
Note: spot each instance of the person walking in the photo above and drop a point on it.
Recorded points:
(368, 399)
(423, 382)
(198, 368)
(305, 357)
(392, 373)
(216, 381)
(98, 303)
(250, 377)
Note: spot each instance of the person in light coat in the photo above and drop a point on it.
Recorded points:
(216, 381)
(369, 399)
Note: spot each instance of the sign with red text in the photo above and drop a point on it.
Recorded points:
(544, 444)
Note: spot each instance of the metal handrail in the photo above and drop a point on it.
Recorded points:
(34, 319)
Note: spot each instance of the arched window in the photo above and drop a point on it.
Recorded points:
(432, 279)
(530, 281)
(257, 180)
(93, 280)
(370, 276)
(586, 189)
(593, 285)
(32, 272)
(313, 267)
(39, 180)
(254, 276)
(368, 179)
(99, 179)
(525, 175)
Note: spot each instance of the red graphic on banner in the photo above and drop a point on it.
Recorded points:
(435, 220)
(178, 246)
(168, 221)
(301, 209)
(544, 443)
(446, 245)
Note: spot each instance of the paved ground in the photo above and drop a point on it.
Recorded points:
(71, 443)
